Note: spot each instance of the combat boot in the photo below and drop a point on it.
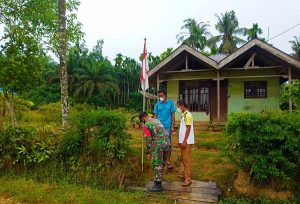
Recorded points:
(156, 188)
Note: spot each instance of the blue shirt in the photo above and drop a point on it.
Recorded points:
(163, 111)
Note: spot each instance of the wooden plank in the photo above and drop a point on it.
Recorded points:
(201, 184)
(274, 51)
(251, 59)
(218, 97)
(290, 91)
(176, 52)
(172, 186)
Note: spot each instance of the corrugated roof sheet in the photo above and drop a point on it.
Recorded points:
(218, 57)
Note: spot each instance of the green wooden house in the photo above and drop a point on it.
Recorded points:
(247, 80)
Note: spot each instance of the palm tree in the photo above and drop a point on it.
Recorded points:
(195, 34)
(296, 47)
(252, 33)
(228, 27)
(95, 78)
(63, 61)
(166, 53)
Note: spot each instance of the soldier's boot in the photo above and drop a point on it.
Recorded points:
(156, 188)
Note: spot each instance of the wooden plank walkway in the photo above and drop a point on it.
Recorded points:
(198, 192)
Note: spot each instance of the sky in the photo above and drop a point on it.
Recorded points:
(123, 24)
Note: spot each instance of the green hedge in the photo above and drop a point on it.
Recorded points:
(265, 144)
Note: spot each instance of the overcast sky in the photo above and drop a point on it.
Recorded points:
(123, 24)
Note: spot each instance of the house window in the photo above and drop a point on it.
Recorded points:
(195, 95)
(255, 89)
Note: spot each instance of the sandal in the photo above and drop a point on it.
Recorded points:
(185, 184)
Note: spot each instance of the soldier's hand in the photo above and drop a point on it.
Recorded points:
(149, 156)
(172, 130)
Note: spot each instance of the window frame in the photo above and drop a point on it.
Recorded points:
(255, 86)
(185, 90)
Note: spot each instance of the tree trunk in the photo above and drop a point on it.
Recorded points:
(10, 107)
(62, 60)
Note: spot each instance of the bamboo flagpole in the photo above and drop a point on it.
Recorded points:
(145, 86)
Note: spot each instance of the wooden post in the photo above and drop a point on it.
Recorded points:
(290, 92)
(157, 82)
(186, 62)
(218, 96)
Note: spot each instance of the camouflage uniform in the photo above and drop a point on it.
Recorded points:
(160, 144)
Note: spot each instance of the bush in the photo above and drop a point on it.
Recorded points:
(22, 146)
(96, 135)
(265, 144)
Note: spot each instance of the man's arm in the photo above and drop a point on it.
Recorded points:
(173, 121)
(186, 136)
(173, 110)
(187, 133)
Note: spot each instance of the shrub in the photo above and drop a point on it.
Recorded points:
(265, 144)
(96, 135)
(22, 146)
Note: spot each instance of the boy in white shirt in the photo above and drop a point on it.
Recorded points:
(186, 140)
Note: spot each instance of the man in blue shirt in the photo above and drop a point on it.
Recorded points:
(164, 111)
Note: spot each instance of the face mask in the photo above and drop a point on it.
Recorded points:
(179, 110)
(161, 99)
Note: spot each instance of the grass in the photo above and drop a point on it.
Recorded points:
(208, 161)
(28, 191)
(208, 164)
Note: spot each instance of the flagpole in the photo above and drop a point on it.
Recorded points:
(144, 103)
(144, 99)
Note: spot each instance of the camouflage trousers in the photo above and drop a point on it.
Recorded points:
(159, 159)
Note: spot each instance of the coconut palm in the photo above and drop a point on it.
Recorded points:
(296, 47)
(228, 27)
(252, 33)
(194, 34)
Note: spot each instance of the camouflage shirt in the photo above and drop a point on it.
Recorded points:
(158, 140)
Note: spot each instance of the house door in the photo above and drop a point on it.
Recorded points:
(214, 101)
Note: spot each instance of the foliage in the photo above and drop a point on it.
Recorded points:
(166, 53)
(196, 34)
(265, 144)
(246, 200)
(22, 146)
(228, 27)
(29, 31)
(43, 95)
(253, 32)
(296, 47)
(97, 135)
(294, 87)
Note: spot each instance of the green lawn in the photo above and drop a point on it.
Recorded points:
(28, 191)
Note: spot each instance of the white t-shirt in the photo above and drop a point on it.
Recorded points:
(186, 119)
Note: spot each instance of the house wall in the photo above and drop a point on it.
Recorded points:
(173, 94)
(237, 102)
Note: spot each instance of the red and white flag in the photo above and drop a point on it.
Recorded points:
(144, 69)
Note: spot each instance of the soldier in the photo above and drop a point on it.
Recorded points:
(157, 140)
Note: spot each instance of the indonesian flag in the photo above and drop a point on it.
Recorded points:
(144, 70)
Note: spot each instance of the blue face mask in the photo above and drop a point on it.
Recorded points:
(161, 99)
